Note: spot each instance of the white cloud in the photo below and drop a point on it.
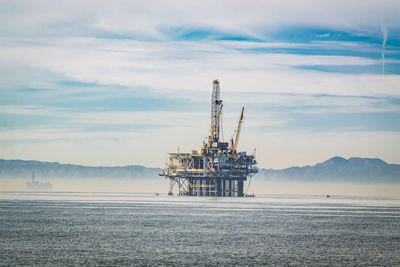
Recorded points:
(149, 18)
(30, 110)
(187, 66)
(325, 35)
(45, 41)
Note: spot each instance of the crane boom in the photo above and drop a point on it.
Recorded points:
(238, 132)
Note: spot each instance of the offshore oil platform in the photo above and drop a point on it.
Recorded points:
(218, 169)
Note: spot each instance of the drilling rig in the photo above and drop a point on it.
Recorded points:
(218, 169)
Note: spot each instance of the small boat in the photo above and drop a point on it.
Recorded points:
(36, 185)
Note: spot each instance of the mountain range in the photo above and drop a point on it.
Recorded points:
(55, 170)
(336, 169)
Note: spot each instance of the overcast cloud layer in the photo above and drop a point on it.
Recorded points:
(126, 82)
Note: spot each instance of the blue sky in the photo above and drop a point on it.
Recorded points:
(124, 83)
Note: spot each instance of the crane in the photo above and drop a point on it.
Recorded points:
(235, 144)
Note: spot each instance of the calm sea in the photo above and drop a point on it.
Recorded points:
(51, 229)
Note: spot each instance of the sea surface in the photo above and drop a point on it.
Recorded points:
(114, 229)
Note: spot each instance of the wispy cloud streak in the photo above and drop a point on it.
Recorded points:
(385, 34)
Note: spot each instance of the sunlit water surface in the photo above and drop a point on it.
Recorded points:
(143, 229)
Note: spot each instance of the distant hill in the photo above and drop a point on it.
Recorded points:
(336, 169)
(54, 170)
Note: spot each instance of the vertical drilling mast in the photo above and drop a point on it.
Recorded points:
(216, 107)
(216, 170)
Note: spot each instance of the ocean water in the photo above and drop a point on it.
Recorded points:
(58, 229)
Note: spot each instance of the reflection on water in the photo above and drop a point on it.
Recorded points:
(144, 229)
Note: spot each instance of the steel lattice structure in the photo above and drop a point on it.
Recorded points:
(218, 169)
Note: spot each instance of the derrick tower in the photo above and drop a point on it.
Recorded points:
(218, 169)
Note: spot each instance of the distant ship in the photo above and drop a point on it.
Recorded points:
(36, 185)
